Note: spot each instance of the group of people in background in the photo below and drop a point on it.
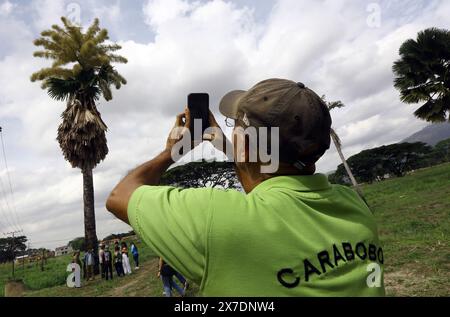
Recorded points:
(118, 259)
(121, 259)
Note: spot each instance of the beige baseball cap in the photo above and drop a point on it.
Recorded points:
(301, 115)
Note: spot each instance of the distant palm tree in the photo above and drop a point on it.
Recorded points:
(338, 144)
(81, 73)
(423, 74)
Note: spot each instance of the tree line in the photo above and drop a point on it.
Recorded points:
(202, 174)
(394, 160)
(12, 247)
(81, 245)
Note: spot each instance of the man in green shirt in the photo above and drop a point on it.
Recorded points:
(290, 234)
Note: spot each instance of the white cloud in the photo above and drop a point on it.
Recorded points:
(6, 8)
(110, 11)
(48, 12)
(158, 12)
(109, 14)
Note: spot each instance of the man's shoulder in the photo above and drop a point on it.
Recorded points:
(229, 195)
(346, 190)
(207, 193)
(216, 198)
(171, 190)
(351, 198)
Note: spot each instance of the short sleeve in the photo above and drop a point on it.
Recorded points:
(174, 223)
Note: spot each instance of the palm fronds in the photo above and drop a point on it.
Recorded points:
(423, 74)
(60, 89)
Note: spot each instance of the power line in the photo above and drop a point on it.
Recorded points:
(9, 219)
(48, 241)
(5, 224)
(15, 221)
(5, 210)
(9, 181)
(15, 218)
(13, 249)
(2, 224)
(69, 239)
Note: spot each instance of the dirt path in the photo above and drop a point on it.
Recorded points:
(406, 281)
(141, 283)
(136, 286)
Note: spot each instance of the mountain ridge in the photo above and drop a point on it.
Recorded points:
(431, 135)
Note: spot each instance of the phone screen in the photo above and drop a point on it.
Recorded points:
(198, 105)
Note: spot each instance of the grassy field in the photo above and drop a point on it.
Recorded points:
(51, 282)
(141, 283)
(53, 274)
(413, 214)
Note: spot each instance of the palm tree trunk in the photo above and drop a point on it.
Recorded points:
(90, 234)
(347, 168)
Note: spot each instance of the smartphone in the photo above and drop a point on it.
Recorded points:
(198, 105)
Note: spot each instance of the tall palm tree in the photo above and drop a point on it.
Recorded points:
(338, 144)
(81, 74)
(423, 74)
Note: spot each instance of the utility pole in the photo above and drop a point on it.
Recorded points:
(13, 250)
(23, 259)
(42, 261)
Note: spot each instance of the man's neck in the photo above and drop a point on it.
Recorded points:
(250, 181)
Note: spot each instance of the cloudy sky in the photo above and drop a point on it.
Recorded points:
(343, 49)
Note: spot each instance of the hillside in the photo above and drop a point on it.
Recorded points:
(431, 134)
(413, 215)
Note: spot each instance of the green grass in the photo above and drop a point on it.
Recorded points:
(141, 283)
(33, 277)
(52, 281)
(413, 215)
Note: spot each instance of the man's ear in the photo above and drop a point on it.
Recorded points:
(247, 149)
(240, 146)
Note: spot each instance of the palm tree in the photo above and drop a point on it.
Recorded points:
(81, 73)
(338, 144)
(423, 74)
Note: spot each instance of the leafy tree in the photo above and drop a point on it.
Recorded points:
(441, 152)
(423, 74)
(81, 73)
(119, 236)
(78, 244)
(10, 247)
(202, 174)
(384, 162)
(398, 159)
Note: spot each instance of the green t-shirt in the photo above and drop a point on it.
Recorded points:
(291, 236)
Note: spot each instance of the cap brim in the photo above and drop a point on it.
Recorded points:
(229, 105)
